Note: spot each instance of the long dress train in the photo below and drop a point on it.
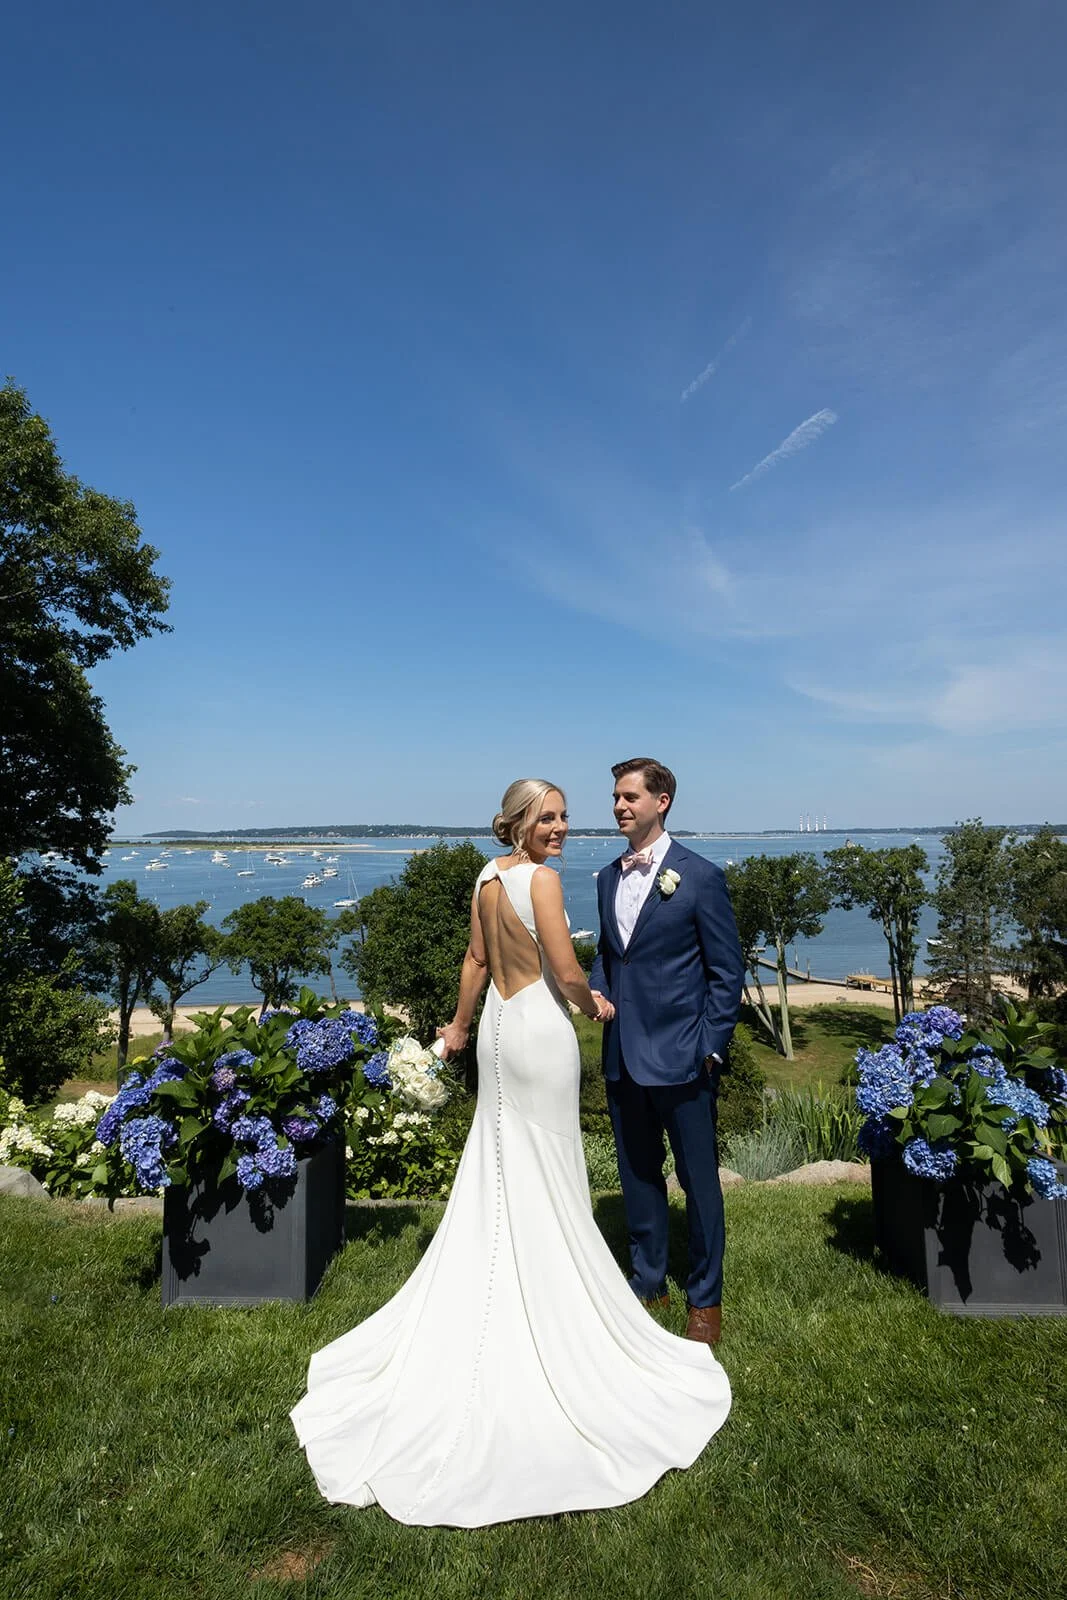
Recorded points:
(515, 1374)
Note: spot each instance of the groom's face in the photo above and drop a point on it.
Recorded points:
(637, 811)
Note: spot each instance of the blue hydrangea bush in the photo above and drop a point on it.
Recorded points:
(246, 1096)
(952, 1103)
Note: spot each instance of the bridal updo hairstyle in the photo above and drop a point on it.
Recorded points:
(521, 798)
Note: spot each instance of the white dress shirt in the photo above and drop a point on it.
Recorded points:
(633, 887)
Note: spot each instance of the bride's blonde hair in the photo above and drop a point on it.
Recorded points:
(520, 798)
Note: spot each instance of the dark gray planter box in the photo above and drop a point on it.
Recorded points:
(222, 1247)
(975, 1249)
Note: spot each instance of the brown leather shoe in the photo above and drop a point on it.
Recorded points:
(705, 1324)
(656, 1300)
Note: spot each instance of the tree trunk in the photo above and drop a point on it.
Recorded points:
(761, 1007)
(786, 1042)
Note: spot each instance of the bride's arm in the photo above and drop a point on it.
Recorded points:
(472, 978)
(546, 892)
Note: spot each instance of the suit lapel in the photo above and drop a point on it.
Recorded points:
(653, 898)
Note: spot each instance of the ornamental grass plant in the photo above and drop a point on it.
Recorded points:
(874, 1447)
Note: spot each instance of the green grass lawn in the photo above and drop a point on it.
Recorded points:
(875, 1447)
(825, 1039)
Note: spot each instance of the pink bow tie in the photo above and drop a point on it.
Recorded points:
(637, 858)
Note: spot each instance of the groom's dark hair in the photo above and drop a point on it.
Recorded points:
(658, 778)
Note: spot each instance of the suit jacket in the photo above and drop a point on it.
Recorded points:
(677, 985)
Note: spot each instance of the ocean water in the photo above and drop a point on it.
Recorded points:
(849, 942)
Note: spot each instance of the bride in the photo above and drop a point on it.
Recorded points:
(515, 1374)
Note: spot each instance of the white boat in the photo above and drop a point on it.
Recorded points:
(156, 866)
(331, 860)
(312, 881)
(330, 872)
(352, 898)
(246, 872)
(583, 933)
(129, 858)
(104, 854)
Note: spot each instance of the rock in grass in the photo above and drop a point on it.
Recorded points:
(13, 1180)
(727, 1178)
(815, 1172)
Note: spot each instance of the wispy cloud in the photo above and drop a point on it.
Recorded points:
(714, 364)
(189, 800)
(800, 438)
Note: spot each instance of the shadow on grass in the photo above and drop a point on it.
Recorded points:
(799, 1029)
(862, 1025)
(850, 1229)
(610, 1217)
(375, 1223)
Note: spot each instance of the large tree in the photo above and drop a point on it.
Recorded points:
(890, 884)
(971, 899)
(782, 898)
(77, 583)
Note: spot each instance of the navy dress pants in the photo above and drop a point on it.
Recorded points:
(640, 1115)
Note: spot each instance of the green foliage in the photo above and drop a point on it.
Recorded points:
(741, 1086)
(601, 1162)
(77, 585)
(280, 941)
(415, 935)
(585, 954)
(1037, 902)
(890, 884)
(971, 898)
(48, 1032)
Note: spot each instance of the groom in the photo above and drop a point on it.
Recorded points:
(670, 962)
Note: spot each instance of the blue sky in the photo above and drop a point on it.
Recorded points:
(510, 390)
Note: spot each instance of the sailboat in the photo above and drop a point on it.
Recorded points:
(249, 871)
(352, 898)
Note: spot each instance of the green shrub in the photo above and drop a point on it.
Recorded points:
(742, 1086)
(48, 1033)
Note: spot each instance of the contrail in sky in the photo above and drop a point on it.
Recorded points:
(712, 367)
(799, 439)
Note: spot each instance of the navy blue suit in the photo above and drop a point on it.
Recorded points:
(676, 988)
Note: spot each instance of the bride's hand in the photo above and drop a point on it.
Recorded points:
(454, 1037)
(604, 1008)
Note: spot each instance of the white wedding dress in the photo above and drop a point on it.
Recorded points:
(515, 1374)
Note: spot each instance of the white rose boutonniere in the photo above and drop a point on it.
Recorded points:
(668, 881)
